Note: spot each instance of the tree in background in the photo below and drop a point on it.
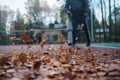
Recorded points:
(116, 24)
(35, 9)
(63, 16)
(110, 20)
(5, 13)
(103, 19)
(3, 17)
(19, 23)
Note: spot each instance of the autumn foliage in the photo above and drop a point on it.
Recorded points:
(59, 63)
(25, 38)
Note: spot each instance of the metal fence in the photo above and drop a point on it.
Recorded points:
(52, 36)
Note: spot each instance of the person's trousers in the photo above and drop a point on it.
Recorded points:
(80, 20)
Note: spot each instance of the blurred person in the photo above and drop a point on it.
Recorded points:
(77, 11)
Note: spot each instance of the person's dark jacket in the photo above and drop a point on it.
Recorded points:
(77, 6)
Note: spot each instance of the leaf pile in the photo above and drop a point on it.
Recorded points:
(60, 63)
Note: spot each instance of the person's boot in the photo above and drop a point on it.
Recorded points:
(88, 45)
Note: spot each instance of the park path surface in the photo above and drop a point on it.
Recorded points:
(95, 47)
(60, 62)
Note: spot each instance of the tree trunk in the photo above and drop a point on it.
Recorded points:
(103, 24)
(110, 22)
(115, 21)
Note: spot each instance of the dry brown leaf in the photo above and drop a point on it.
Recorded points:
(4, 60)
(62, 48)
(14, 52)
(31, 56)
(26, 75)
(60, 36)
(37, 54)
(93, 60)
(36, 66)
(29, 46)
(15, 59)
(42, 42)
(86, 50)
(46, 61)
(72, 50)
(56, 63)
(23, 58)
(63, 59)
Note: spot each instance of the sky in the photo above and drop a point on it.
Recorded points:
(14, 4)
(20, 4)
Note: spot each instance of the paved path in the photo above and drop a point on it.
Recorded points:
(99, 47)
(111, 45)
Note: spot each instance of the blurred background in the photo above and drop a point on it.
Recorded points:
(45, 19)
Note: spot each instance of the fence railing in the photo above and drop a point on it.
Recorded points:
(53, 36)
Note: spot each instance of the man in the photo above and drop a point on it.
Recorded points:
(77, 11)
